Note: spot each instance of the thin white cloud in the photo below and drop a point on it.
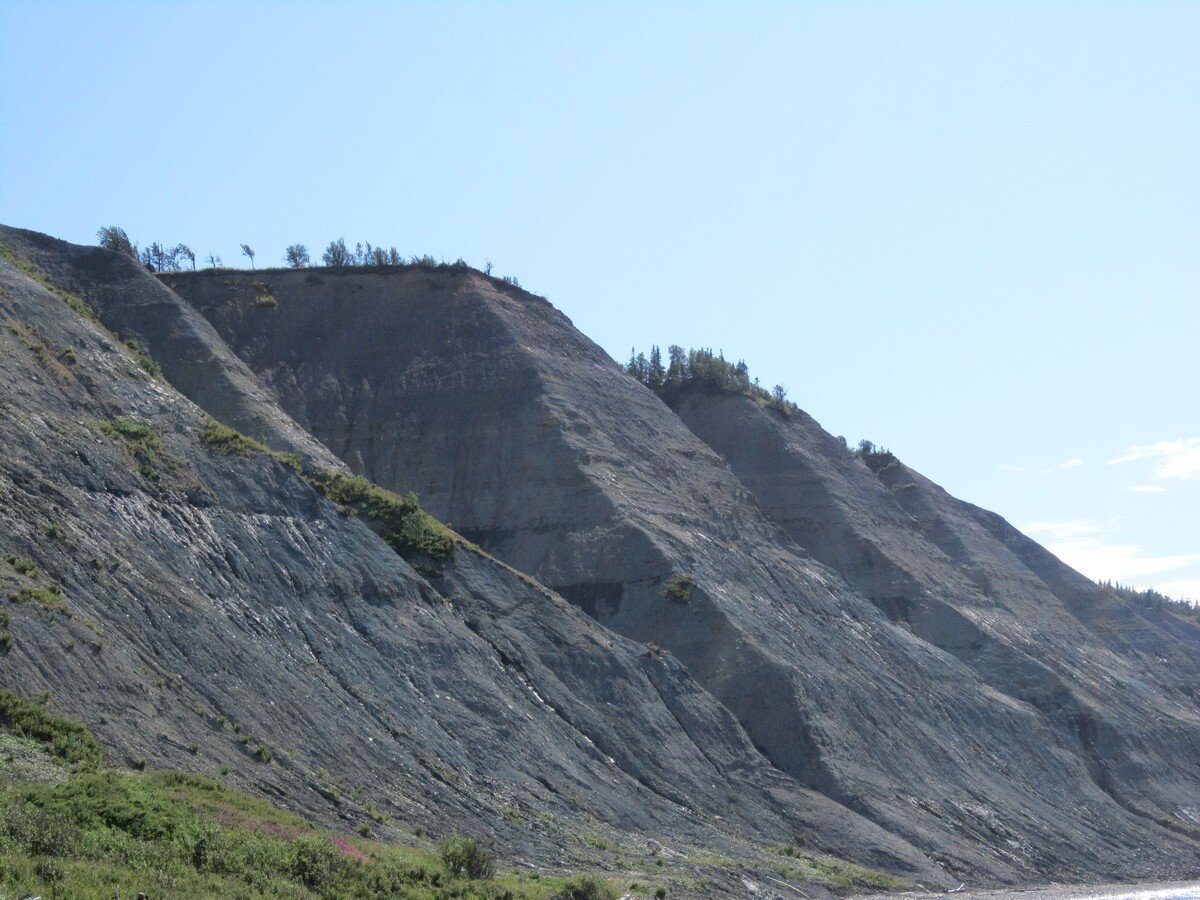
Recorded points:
(1173, 459)
(1146, 488)
(1061, 467)
(1116, 562)
(1064, 530)
(1048, 470)
(1186, 589)
(1086, 545)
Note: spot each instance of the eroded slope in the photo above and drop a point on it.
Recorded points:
(201, 610)
(1117, 687)
(526, 436)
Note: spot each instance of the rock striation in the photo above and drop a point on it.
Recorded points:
(909, 657)
(212, 611)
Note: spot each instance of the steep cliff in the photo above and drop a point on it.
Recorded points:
(1120, 690)
(524, 434)
(202, 609)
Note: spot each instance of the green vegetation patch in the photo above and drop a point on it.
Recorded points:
(142, 443)
(148, 363)
(106, 833)
(49, 598)
(704, 371)
(36, 274)
(833, 872)
(48, 595)
(223, 439)
(877, 459)
(680, 589)
(23, 565)
(264, 295)
(401, 521)
(67, 740)
(464, 857)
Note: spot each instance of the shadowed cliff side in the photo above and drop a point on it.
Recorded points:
(1119, 688)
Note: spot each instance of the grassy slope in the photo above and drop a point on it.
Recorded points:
(69, 828)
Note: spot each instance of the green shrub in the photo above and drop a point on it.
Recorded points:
(223, 439)
(23, 564)
(585, 887)
(49, 598)
(142, 443)
(110, 799)
(315, 862)
(36, 831)
(679, 589)
(465, 858)
(402, 523)
(289, 459)
(67, 740)
(127, 429)
(144, 359)
(49, 870)
(264, 294)
(877, 459)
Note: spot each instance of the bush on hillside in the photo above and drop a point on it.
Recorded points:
(586, 887)
(464, 857)
(402, 522)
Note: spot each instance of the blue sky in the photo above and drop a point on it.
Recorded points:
(968, 231)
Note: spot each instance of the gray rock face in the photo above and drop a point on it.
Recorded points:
(215, 610)
(839, 635)
(1120, 690)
